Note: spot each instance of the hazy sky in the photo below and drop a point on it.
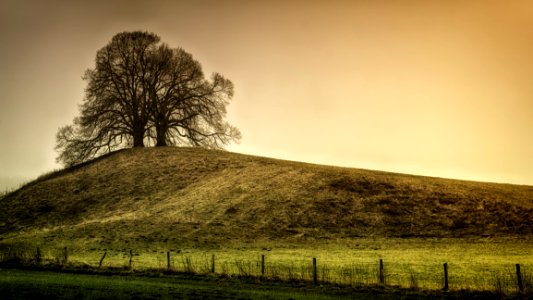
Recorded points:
(438, 88)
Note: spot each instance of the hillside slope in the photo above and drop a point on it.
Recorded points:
(191, 195)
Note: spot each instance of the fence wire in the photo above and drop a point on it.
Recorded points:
(491, 276)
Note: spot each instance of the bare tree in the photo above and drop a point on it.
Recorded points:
(186, 108)
(141, 91)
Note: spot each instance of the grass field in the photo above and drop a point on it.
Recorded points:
(195, 196)
(473, 264)
(22, 284)
(42, 284)
(195, 203)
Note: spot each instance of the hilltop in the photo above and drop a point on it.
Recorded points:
(204, 197)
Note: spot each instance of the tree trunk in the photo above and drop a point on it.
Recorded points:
(138, 141)
(161, 139)
(138, 137)
(161, 142)
(161, 135)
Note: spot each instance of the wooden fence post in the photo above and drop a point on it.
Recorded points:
(131, 257)
(168, 260)
(262, 265)
(102, 260)
(445, 288)
(315, 276)
(381, 273)
(519, 278)
(65, 255)
(212, 263)
(38, 256)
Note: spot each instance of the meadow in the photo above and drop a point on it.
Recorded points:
(24, 284)
(416, 263)
(188, 211)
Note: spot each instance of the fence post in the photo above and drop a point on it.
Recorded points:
(38, 256)
(381, 274)
(131, 257)
(445, 288)
(519, 278)
(65, 255)
(102, 260)
(212, 263)
(262, 265)
(315, 276)
(168, 260)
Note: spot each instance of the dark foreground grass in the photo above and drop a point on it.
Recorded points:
(46, 284)
(24, 284)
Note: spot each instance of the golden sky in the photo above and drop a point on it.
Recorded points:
(438, 88)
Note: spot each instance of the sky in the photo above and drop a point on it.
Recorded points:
(435, 88)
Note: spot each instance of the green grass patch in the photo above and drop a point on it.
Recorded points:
(42, 284)
(23, 284)
(473, 264)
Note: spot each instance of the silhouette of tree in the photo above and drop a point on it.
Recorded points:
(143, 92)
(187, 108)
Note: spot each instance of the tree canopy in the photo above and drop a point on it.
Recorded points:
(142, 92)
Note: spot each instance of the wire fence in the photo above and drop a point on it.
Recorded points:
(502, 278)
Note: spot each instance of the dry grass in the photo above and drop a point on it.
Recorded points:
(206, 198)
(195, 203)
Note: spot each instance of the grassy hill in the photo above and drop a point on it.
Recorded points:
(206, 197)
